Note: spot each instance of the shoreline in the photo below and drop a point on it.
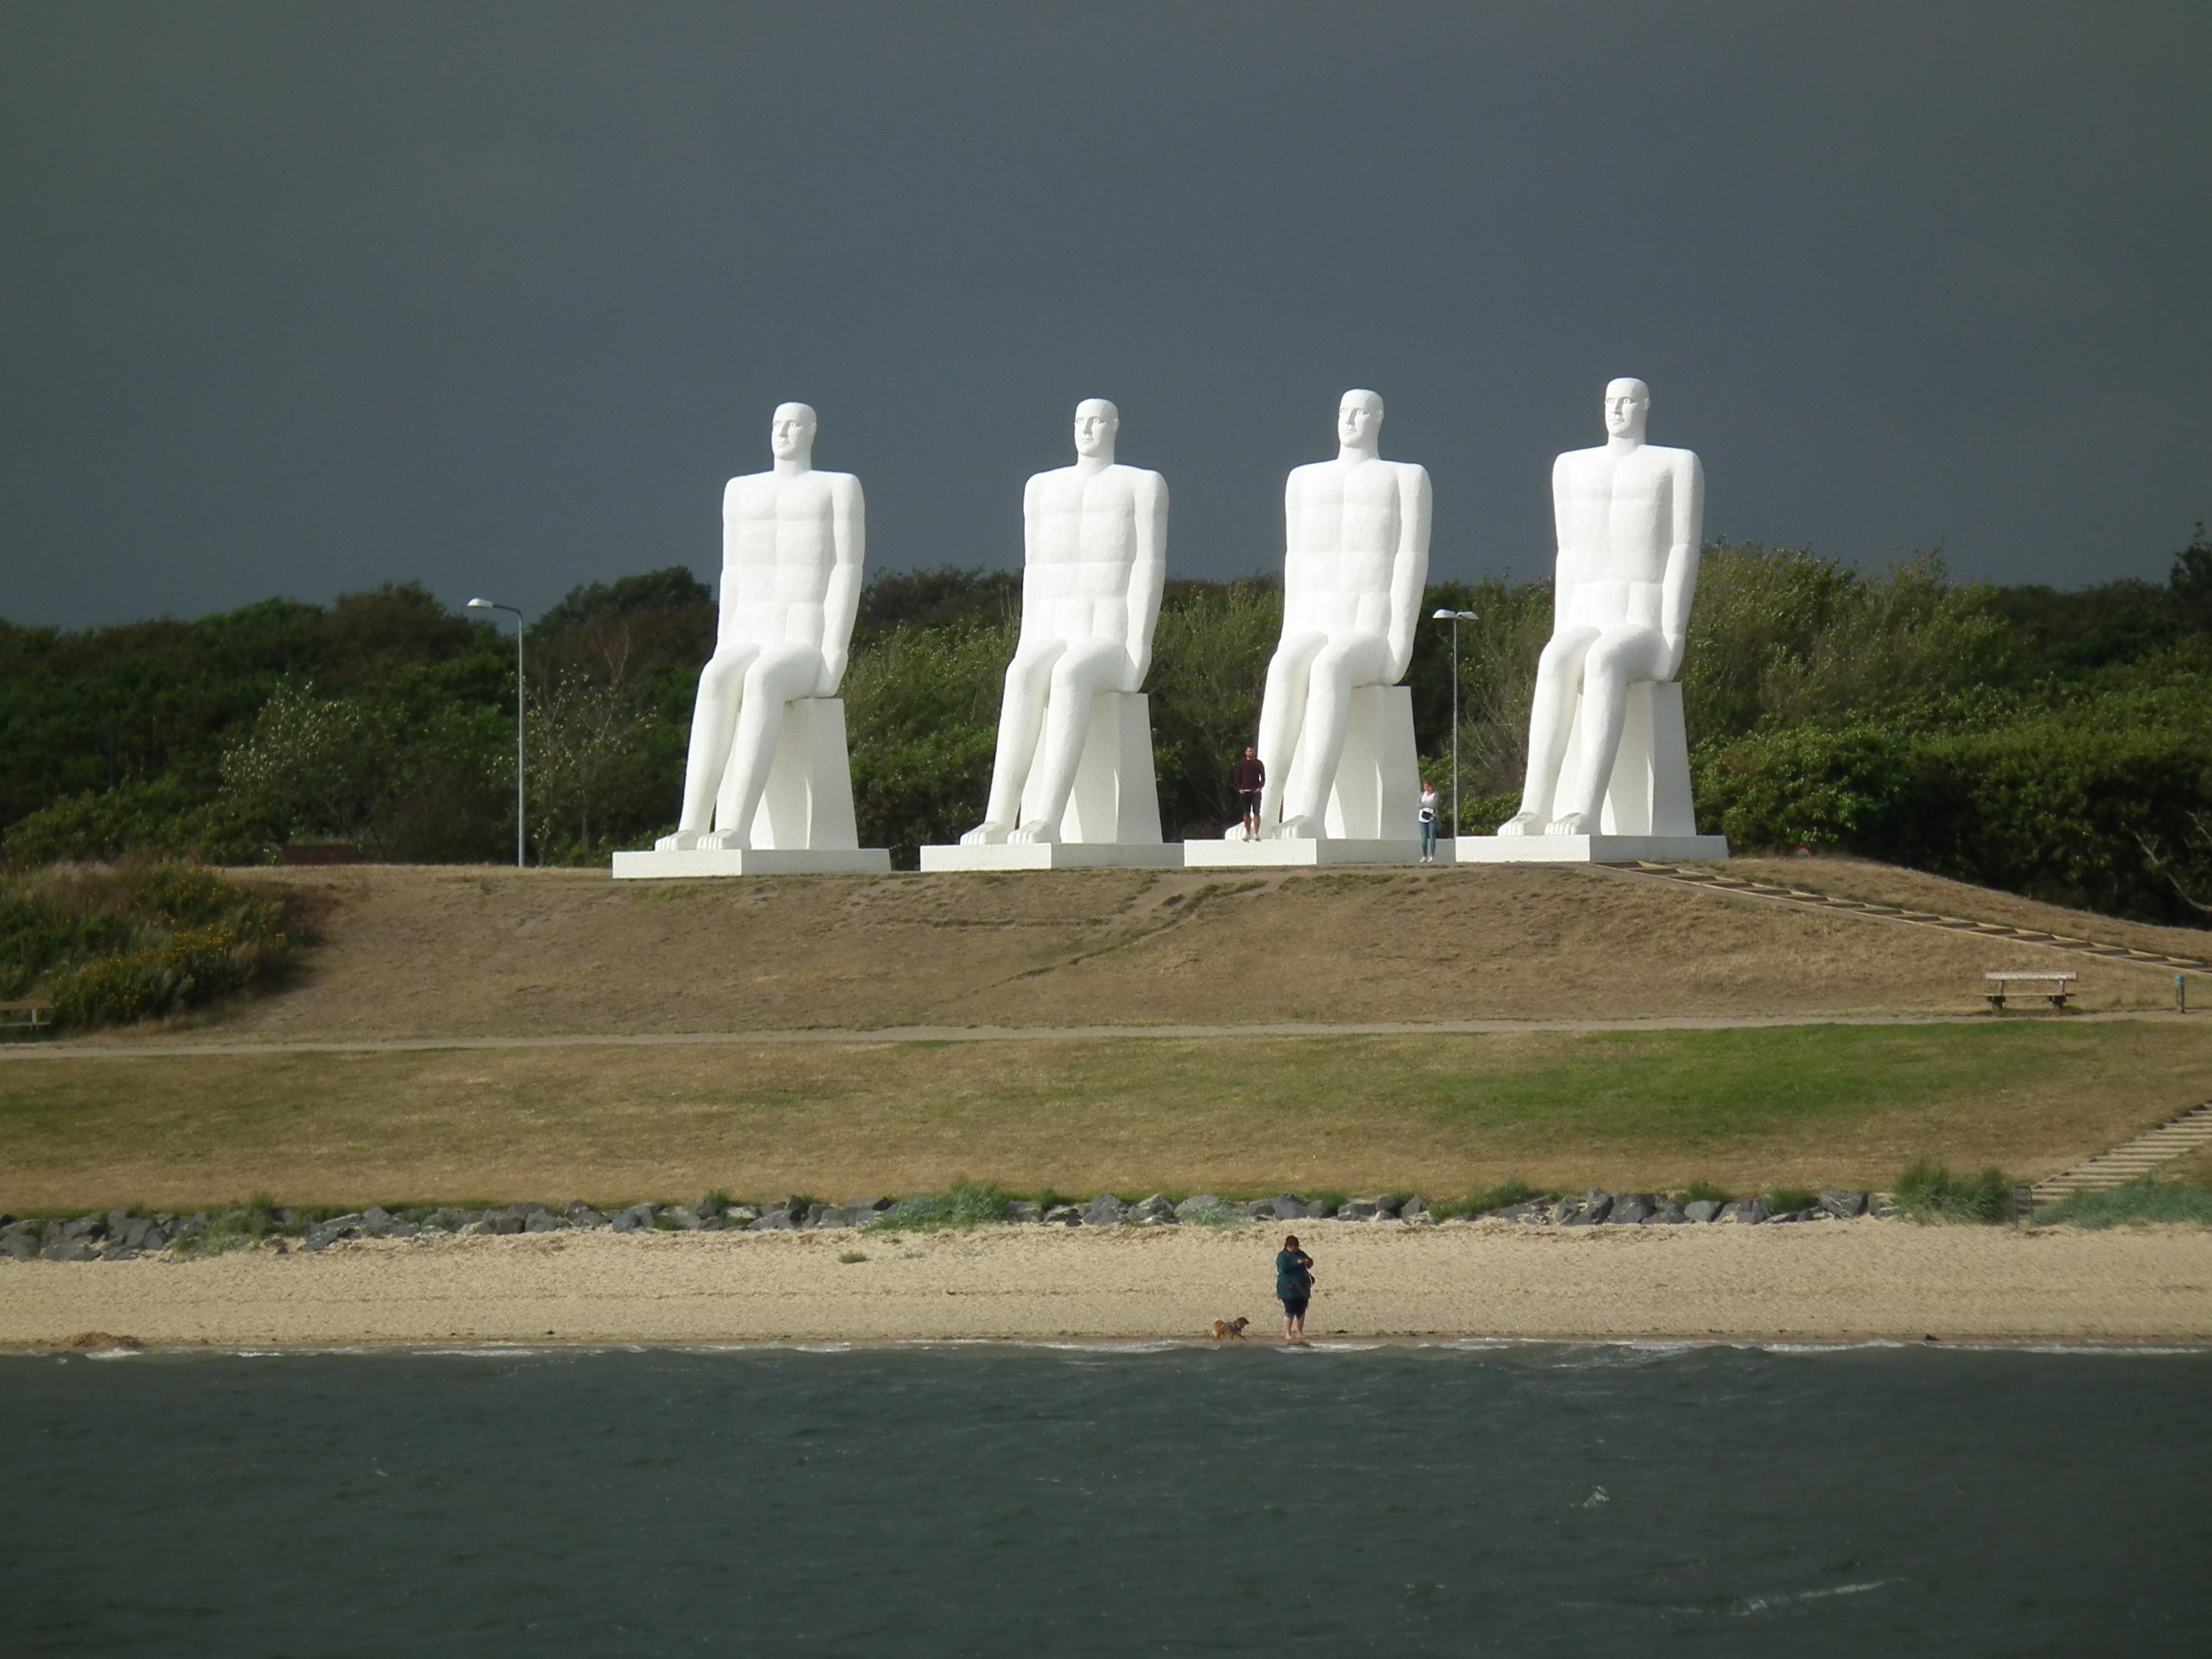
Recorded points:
(1853, 1282)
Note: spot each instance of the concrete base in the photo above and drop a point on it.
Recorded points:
(1305, 855)
(1588, 849)
(1057, 855)
(753, 861)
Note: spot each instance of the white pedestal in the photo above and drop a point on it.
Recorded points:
(1588, 849)
(1648, 794)
(753, 861)
(1056, 855)
(1305, 855)
(804, 825)
(1113, 818)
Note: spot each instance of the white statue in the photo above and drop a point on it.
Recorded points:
(1095, 560)
(1356, 560)
(792, 540)
(1630, 518)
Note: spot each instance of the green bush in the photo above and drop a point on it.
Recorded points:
(965, 1204)
(110, 945)
(2141, 1202)
(1484, 1199)
(1927, 1191)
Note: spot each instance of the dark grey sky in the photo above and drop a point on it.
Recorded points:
(301, 298)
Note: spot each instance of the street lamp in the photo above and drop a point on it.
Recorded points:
(1455, 618)
(488, 604)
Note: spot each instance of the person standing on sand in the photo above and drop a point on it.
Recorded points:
(1293, 1287)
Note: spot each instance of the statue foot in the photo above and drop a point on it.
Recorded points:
(989, 833)
(1571, 824)
(1035, 833)
(684, 840)
(1522, 824)
(726, 841)
(1296, 829)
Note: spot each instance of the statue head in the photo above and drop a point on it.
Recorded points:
(791, 432)
(1096, 420)
(1626, 404)
(1360, 420)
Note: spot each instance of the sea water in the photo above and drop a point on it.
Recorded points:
(1100, 1499)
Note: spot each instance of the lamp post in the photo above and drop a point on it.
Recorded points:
(1455, 618)
(488, 604)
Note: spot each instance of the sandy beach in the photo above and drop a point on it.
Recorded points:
(1833, 1281)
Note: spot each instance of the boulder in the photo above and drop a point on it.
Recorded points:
(678, 1218)
(776, 1219)
(1153, 1210)
(79, 1248)
(82, 1227)
(1587, 1211)
(1197, 1204)
(1356, 1209)
(1287, 1208)
(875, 1206)
(638, 1218)
(1413, 1206)
(1533, 1213)
(584, 1216)
(1702, 1209)
(118, 1253)
(737, 1215)
(1630, 1210)
(21, 1246)
(118, 1222)
(1748, 1212)
(829, 1215)
(1666, 1214)
(1063, 1215)
(1320, 1210)
(1105, 1211)
(1020, 1209)
(376, 1222)
(451, 1220)
(1390, 1204)
(1843, 1205)
(544, 1221)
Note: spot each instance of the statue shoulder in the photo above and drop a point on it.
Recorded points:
(1142, 480)
(1676, 460)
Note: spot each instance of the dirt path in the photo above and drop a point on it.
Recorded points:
(130, 1049)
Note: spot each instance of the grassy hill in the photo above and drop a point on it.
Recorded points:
(610, 1113)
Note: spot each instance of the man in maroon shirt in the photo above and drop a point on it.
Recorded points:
(1251, 779)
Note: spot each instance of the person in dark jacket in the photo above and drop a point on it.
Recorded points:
(1293, 1287)
(1251, 779)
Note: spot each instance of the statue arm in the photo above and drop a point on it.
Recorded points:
(848, 536)
(1409, 571)
(1685, 541)
(1562, 578)
(1148, 575)
(1033, 614)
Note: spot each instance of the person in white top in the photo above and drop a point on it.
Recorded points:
(1428, 822)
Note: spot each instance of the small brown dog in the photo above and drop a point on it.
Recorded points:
(1224, 1328)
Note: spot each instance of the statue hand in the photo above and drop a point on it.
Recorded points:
(1675, 644)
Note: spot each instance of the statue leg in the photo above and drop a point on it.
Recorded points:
(1282, 717)
(1618, 656)
(1348, 661)
(1021, 717)
(714, 720)
(778, 674)
(1085, 667)
(1559, 677)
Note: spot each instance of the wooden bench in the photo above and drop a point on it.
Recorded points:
(26, 1016)
(2055, 987)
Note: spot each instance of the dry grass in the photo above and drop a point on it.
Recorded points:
(447, 952)
(1748, 1108)
(1887, 884)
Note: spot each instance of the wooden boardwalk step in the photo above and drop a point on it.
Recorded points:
(2131, 1159)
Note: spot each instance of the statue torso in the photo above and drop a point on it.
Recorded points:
(1616, 517)
(1344, 527)
(1081, 551)
(779, 547)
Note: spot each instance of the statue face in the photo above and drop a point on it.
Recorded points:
(791, 433)
(1096, 420)
(1360, 420)
(1627, 404)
